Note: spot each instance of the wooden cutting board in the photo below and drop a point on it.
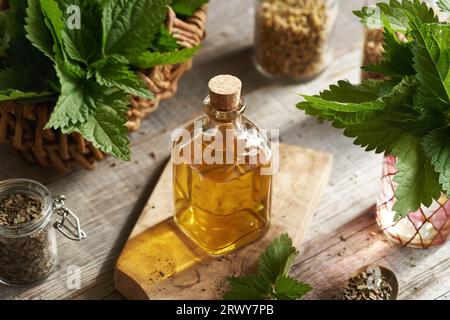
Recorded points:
(159, 262)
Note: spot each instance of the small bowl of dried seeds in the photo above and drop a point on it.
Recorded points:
(371, 282)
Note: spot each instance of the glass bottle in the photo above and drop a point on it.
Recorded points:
(424, 228)
(221, 173)
(28, 252)
(292, 37)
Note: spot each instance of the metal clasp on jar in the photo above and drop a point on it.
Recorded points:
(68, 223)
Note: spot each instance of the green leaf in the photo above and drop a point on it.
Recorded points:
(376, 124)
(367, 91)
(36, 29)
(83, 44)
(76, 102)
(322, 104)
(4, 33)
(27, 69)
(272, 280)
(396, 14)
(418, 182)
(397, 56)
(277, 259)
(54, 22)
(8, 95)
(113, 73)
(287, 288)
(437, 148)
(376, 134)
(129, 26)
(105, 128)
(432, 57)
(17, 14)
(151, 59)
(426, 99)
(187, 7)
(347, 104)
(165, 41)
(253, 287)
(444, 5)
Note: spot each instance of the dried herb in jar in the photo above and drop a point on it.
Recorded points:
(17, 209)
(291, 37)
(27, 254)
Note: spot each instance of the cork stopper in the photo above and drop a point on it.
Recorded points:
(225, 92)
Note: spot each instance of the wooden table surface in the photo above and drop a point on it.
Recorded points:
(343, 235)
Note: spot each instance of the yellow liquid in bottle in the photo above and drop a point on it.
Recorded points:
(222, 207)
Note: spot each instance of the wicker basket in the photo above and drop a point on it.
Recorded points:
(22, 125)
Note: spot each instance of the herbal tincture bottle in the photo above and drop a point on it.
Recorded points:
(222, 182)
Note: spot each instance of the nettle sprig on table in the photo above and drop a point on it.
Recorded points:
(90, 71)
(272, 281)
(408, 114)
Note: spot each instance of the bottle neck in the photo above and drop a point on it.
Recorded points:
(218, 116)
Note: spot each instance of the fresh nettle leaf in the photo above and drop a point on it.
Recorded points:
(425, 99)
(105, 128)
(150, 59)
(75, 104)
(278, 258)
(25, 69)
(54, 22)
(360, 110)
(418, 182)
(187, 7)
(444, 5)
(432, 57)
(395, 12)
(437, 148)
(4, 35)
(368, 91)
(398, 58)
(113, 73)
(83, 44)
(407, 115)
(165, 41)
(253, 287)
(11, 95)
(272, 280)
(287, 288)
(129, 26)
(36, 29)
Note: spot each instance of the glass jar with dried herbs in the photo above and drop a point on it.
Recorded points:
(292, 37)
(28, 248)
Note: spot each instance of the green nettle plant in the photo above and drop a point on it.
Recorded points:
(89, 71)
(408, 114)
(272, 281)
